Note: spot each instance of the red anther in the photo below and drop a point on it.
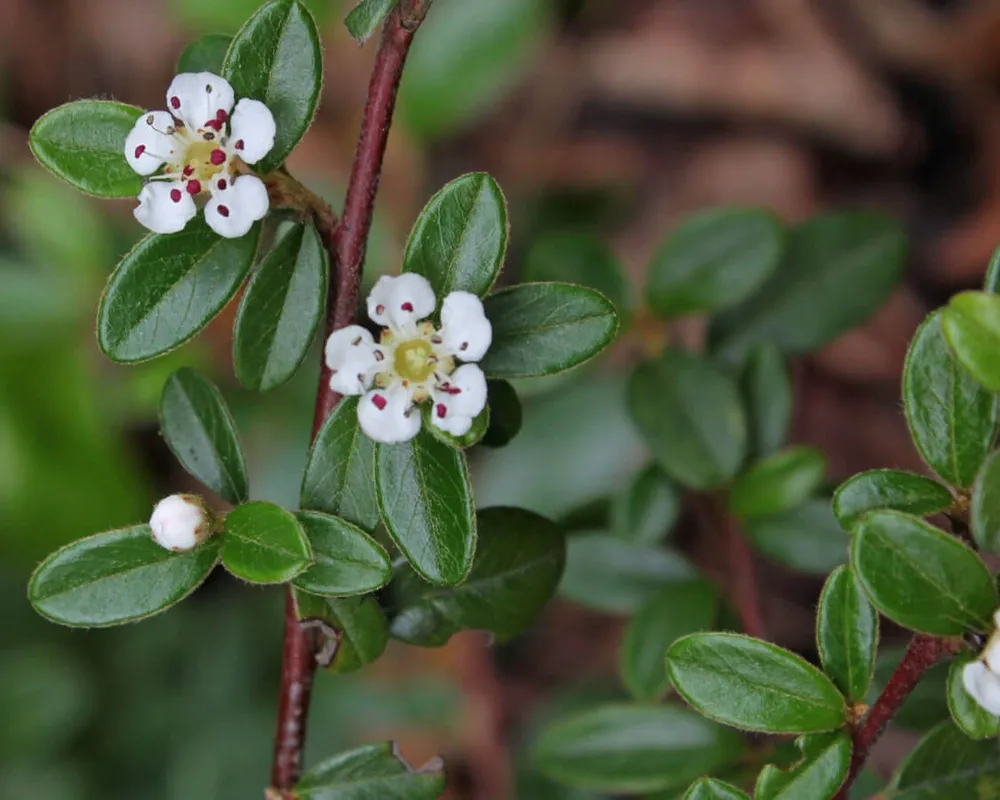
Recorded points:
(221, 115)
(441, 410)
(379, 309)
(239, 144)
(193, 187)
(188, 170)
(175, 102)
(224, 211)
(407, 306)
(214, 124)
(222, 184)
(175, 195)
(140, 150)
(378, 401)
(218, 157)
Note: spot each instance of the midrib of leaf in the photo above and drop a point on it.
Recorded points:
(106, 577)
(261, 544)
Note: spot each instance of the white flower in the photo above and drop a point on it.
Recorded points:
(201, 147)
(180, 522)
(981, 678)
(413, 361)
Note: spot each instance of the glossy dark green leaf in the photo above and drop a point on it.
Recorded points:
(280, 310)
(276, 58)
(691, 416)
(778, 483)
(460, 238)
(544, 328)
(115, 577)
(645, 511)
(712, 789)
(346, 560)
(975, 721)
(354, 629)
(205, 54)
(945, 764)
(426, 503)
(366, 16)
(714, 260)
(920, 577)
(847, 634)
(823, 768)
(753, 685)
(505, 414)
(170, 287)
(263, 543)
(888, 488)
(608, 574)
(340, 471)
(767, 394)
(971, 326)
(838, 269)
(519, 561)
(197, 425)
(952, 418)
(676, 610)
(372, 772)
(633, 748)
(984, 512)
(84, 144)
(991, 281)
(475, 434)
(807, 539)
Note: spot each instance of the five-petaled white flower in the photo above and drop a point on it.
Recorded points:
(982, 677)
(413, 361)
(201, 147)
(180, 522)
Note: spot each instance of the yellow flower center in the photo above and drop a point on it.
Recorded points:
(414, 360)
(199, 159)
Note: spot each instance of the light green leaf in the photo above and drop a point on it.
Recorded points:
(991, 281)
(505, 414)
(975, 721)
(971, 325)
(945, 764)
(645, 511)
(346, 561)
(825, 760)
(807, 539)
(354, 628)
(847, 634)
(711, 789)
(205, 54)
(984, 512)
(778, 483)
(263, 543)
(366, 16)
(767, 393)
(888, 488)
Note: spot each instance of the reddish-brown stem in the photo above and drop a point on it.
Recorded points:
(345, 242)
(743, 576)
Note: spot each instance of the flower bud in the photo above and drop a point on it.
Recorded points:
(180, 522)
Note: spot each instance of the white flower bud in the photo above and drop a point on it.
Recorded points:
(180, 522)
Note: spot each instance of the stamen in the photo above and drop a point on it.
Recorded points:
(442, 410)
(356, 342)
(208, 136)
(379, 309)
(379, 355)
(188, 171)
(222, 184)
(193, 187)
(175, 195)
(436, 339)
(175, 102)
(378, 401)
(223, 211)
(221, 115)
(239, 144)
(140, 150)
(218, 157)
(407, 306)
(465, 346)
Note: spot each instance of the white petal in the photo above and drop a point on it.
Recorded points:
(466, 332)
(147, 146)
(232, 211)
(164, 206)
(983, 685)
(388, 415)
(251, 131)
(399, 301)
(459, 400)
(179, 522)
(455, 424)
(352, 355)
(198, 97)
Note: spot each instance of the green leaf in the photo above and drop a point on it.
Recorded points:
(678, 609)
(888, 488)
(690, 414)
(847, 634)
(714, 260)
(366, 16)
(426, 503)
(975, 721)
(822, 770)
(952, 419)
(355, 628)
(838, 269)
(475, 434)
(115, 577)
(519, 560)
(971, 325)
(753, 685)
(945, 764)
(340, 470)
(84, 144)
(711, 789)
(202, 434)
(778, 483)
(984, 512)
(276, 58)
(170, 287)
(645, 511)
(991, 281)
(263, 543)
(633, 748)
(372, 772)
(346, 560)
(544, 328)
(460, 238)
(205, 54)
(280, 311)
(607, 574)
(767, 394)
(920, 577)
(505, 414)
(807, 539)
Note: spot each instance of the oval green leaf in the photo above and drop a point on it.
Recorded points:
(354, 629)
(952, 419)
(690, 413)
(753, 685)
(971, 325)
(205, 54)
(275, 58)
(84, 144)
(366, 16)
(115, 577)
(372, 772)
(262, 543)
(847, 634)
(825, 760)
(425, 499)
(280, 310)
(505, 414)
(984, 512)
(460, 238)
(200, 431)
(544, 328)
(945, 764)
(645, 511)
(633, 748)
(170, 287)
(808, 538)
(767, 393)
(778, 483)
(346, 560)
(711, 789)
(888, 488)
(920, 577)
(975, 721)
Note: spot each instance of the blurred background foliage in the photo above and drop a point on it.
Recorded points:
(605, 123)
